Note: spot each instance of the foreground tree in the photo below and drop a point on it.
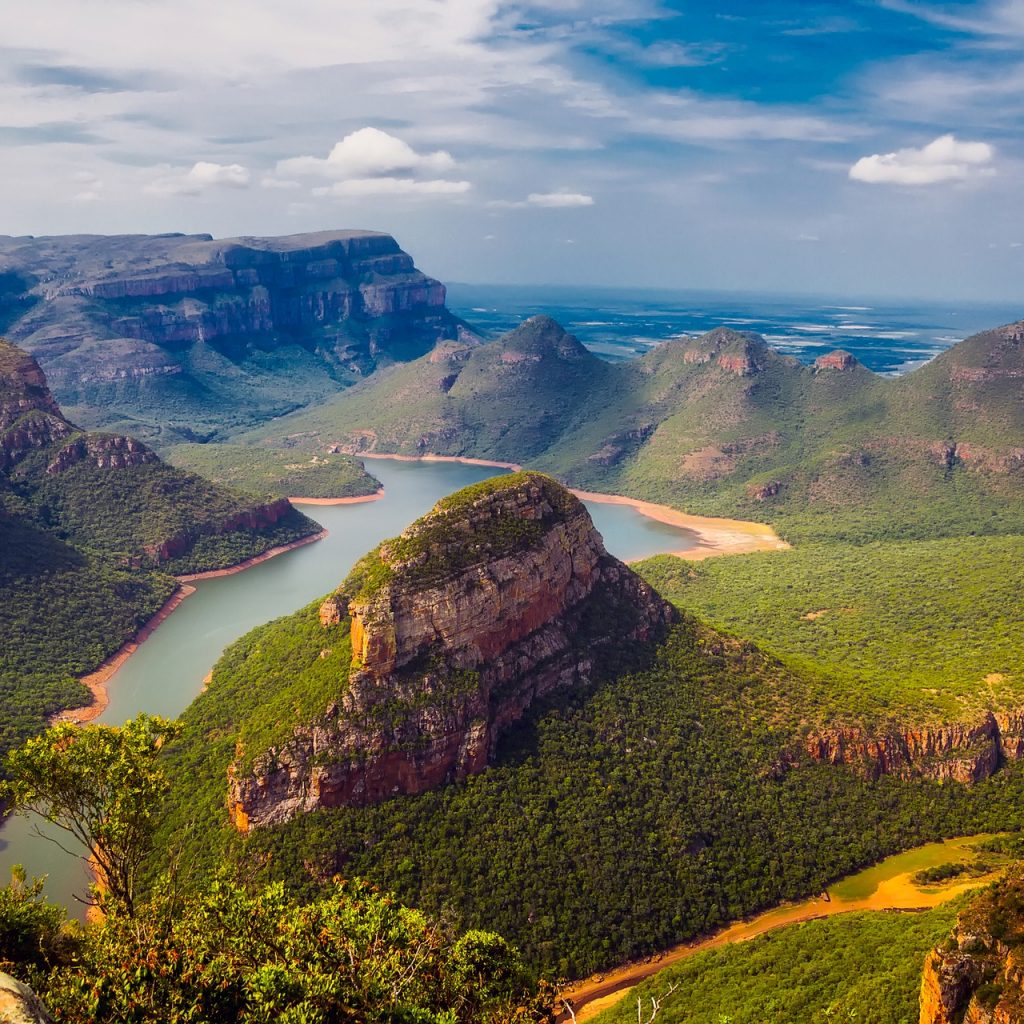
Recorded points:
(228, 955)
(102, 786)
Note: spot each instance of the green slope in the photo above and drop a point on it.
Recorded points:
(918, 632)
(615, 822)
(720, 425)
(275, 472)
(863, 967)
(83, 518)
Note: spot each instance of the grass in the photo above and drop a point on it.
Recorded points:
(274, 472)
(919, 631)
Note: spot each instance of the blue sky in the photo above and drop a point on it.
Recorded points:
(865, 148)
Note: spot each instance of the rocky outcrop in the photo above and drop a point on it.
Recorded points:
(502, 595)
(838, 360)
(977, 975)
(961, 752)
(259, 517)
(19, 1004)
(29, 417)
(113, 314)
(104, 451)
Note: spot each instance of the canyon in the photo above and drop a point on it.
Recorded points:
(175, 337)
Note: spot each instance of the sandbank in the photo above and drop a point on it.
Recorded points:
(359, 499)
(597, 993)
(97, 680)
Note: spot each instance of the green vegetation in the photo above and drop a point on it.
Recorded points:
(864, 967)
(615, 822)
(91, 526)
(230, 953)
(947, 872)
(280, 676)
(444, 541)
(918, 632)
(102, 787)
(279, 472)
(62, 612)
(718, 425)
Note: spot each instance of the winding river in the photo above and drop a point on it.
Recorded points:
(166, 673)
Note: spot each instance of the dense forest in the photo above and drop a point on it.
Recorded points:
(863, 967)
(920, 631)
(616, 822)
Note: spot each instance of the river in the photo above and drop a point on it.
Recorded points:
(166, 673)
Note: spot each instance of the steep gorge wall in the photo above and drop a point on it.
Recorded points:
(963, 752)
(187, 332)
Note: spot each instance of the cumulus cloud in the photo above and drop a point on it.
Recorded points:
(202, 176)
(369, 153)
(393, 187)
(946, 159)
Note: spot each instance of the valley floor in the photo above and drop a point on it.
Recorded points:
(885, 887)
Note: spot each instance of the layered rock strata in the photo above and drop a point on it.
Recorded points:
(502, 595)
(139, 326)
(963, 752)
(977, 975)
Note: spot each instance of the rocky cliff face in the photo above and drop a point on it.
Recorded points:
(963, 751)
(38, 448)
(977, 975)
(146, 326)
(29, 416)
(499, 597)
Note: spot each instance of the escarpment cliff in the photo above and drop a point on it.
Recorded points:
(113, 492)
(185, 335)
(960, 751)
(977, 975)
(500, 596)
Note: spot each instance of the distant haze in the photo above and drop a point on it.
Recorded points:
(854, 148)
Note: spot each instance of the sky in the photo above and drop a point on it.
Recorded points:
(856, 148)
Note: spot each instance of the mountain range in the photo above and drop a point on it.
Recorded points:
(719, 425)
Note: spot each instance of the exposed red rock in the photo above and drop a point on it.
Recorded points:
(977, 976)
(838, 360)
(445, 659)
(961, 751)
(256, 518)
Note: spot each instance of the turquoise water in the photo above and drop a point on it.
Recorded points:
(167, 671)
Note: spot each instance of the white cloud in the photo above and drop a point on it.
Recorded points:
(393, 187)
(269, 181)
(203, 175)
(367, 153)
(559, 199)
(945, 159)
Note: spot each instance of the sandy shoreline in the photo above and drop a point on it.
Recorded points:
(97, 680)
(465, 460)
(250, 562)
(714, 536)
(359, 499)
